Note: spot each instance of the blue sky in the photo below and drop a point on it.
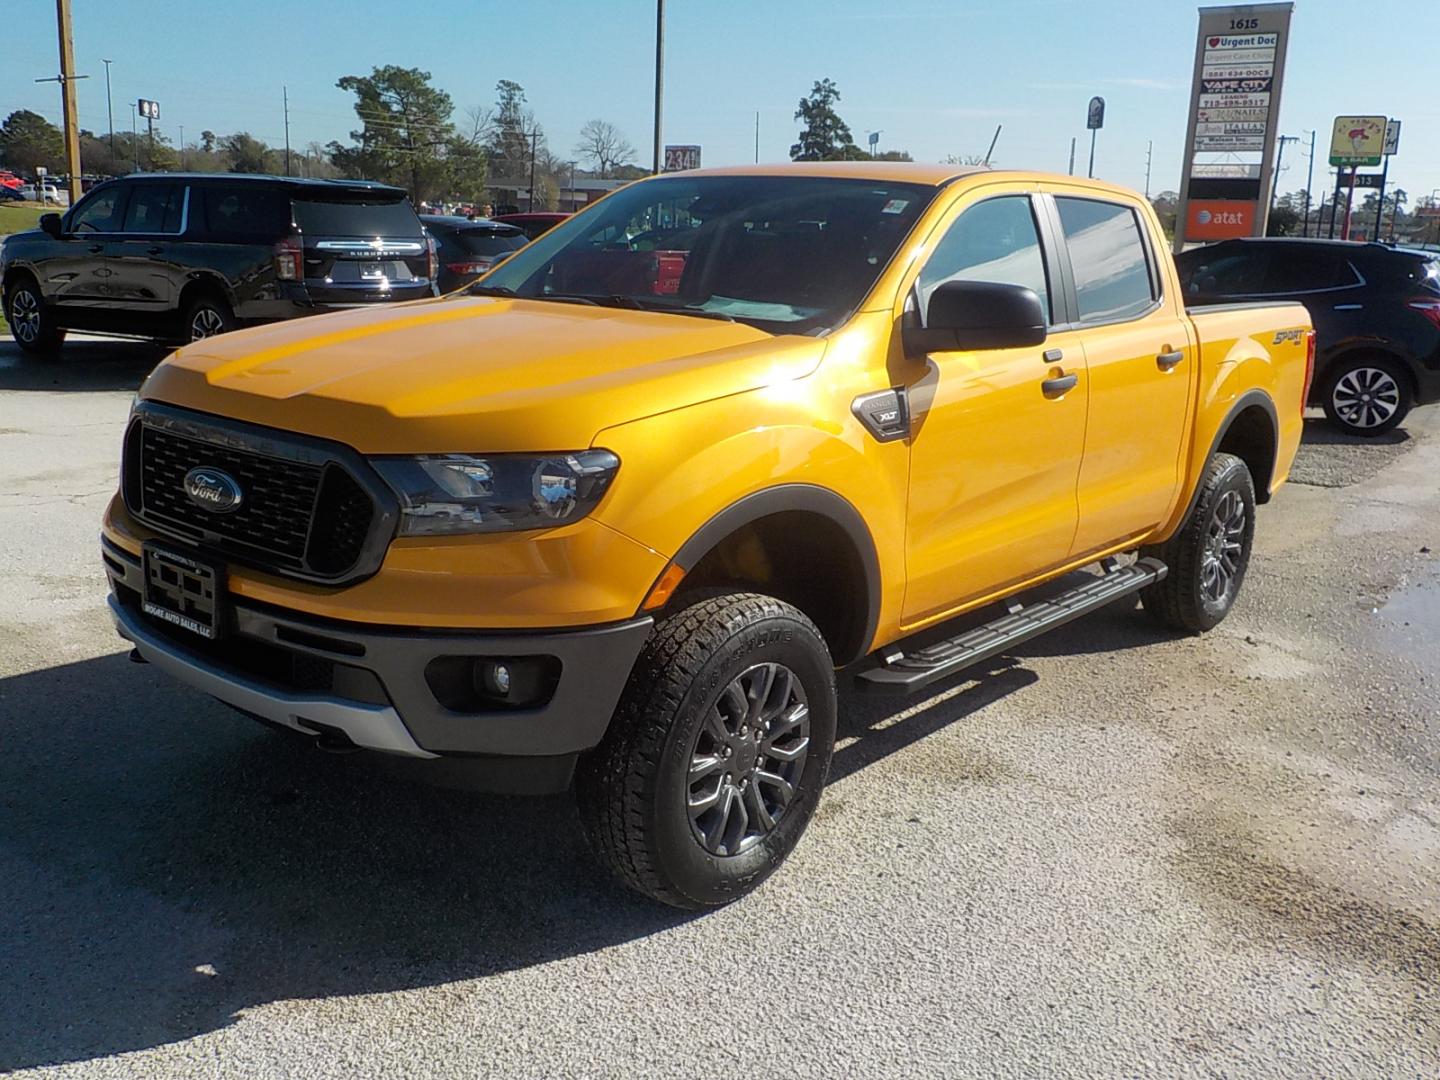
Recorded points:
(934, 77)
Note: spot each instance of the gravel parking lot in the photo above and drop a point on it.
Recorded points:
(1114, 853)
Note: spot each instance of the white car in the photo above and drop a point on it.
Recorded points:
(50, 193)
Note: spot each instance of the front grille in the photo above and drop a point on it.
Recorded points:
(304, 510)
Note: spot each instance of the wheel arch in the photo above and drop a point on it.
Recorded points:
(1250, 431)
(204, 283)
(800, 528)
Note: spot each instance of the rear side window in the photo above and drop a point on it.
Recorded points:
(345, 218)
(97, 213)
(245, 213)
(1107, 255)
(489, 241)
(154, 208)
(994, 241)
(1298, 270)
(1223, 271)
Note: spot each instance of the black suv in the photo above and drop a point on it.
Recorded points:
(1376, 311)
(470, 247)
(179, 257)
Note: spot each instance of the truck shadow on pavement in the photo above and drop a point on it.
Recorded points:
(87, 364)
(166, 864)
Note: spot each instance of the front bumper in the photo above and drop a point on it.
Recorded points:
(369, 683)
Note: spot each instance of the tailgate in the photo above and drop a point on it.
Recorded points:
(353, 246)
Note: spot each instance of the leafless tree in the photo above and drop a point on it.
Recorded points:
(602, 144)
(479, 124)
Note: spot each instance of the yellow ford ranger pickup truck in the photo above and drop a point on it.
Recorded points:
(618, 513)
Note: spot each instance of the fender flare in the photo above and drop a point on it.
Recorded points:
(806, 498)
(1243, 402)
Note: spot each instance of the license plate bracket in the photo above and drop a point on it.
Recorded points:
(184, 590)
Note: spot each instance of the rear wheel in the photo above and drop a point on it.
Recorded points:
(717, 754)
(1366, 395)
(1209, 553)
(31, 323)
(208, 316)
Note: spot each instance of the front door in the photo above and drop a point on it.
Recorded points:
(997, 436)
(1141, 361)
(75, 275)
(145, 276)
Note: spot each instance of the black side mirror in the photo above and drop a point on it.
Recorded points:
(50, 225)
(979, 315)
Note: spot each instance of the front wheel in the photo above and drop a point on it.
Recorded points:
(1209, 553)
(717, 754)
(1366, 395)
(31, 322)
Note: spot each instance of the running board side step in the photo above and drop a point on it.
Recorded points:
(904, 673)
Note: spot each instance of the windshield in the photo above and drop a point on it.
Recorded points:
(787, 254)
(489, 241)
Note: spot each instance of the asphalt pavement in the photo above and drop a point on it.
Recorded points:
(1116, 852)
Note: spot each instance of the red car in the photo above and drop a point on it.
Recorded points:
(9, 179)
(533, 224)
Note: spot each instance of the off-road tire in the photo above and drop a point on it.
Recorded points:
(1367, 372)
(633, 790)
(32, 323)
(1184, 600)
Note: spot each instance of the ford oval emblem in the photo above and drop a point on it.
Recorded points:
(213, 490)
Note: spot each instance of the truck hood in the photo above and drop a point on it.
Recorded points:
(473, 374)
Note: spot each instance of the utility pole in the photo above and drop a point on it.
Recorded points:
(757, 136)
(109, 108)
(659, 79)
(67, 99)
(1149, 152)
(134, 137)
(1279, 157)
(574, 202)
(182, 147)
(534, 149)
(285, 91)
(1310, 179)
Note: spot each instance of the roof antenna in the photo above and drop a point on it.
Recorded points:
(993, 141)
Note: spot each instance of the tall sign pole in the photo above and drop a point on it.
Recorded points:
(1392, 146)
(659, 80)
(1094, 120)
(1233, 122)
(1355, 141)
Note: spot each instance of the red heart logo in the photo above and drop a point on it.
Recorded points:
(1214, 41)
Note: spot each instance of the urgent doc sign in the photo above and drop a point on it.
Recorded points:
(1232, 120)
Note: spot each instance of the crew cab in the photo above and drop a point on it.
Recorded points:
(179, 257)
(569, 524)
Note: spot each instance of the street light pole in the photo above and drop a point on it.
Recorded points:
(534, 149)
(1310, 179)
(659, 78)
(109, 108)
(134, 137)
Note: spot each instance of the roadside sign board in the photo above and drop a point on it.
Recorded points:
(1358, 140)
(149, 110)
(1232, 120)
(1368, 179)
(1095, 114)
(680, 158)
(1392, 138)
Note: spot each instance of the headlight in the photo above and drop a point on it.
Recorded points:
(443, 494)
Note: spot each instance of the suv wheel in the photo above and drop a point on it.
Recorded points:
(714, 762)
(1366, 395)
(1209, 553)
(208, 317)
(31, 323)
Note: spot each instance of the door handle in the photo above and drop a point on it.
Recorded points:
(95, 249)
(154, 249)
(1060, 385)
(1167, 360)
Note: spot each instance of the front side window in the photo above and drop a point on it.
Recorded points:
(154, 208)
(97, 213)
(995, 241)
(786, 254)
(1107, 256)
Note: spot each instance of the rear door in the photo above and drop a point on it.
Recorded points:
(1141, 359)
(361, 247)
(146, 274)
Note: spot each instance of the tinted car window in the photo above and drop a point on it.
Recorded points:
(154, 208)
(488, 241)
(1298, 269)
(1223, 271)
(995, 240)
(245, 213)
(1107, 255)
(97, 214)
(344, 218)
